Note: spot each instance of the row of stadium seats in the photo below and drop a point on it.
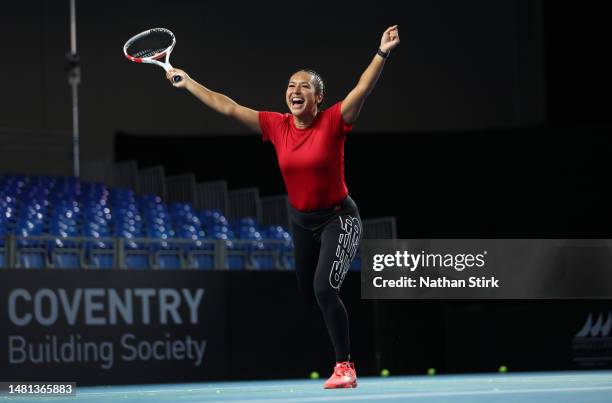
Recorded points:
(63, 223)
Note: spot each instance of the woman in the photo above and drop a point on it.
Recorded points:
(309, 143)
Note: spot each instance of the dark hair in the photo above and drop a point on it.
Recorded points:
(318, 83)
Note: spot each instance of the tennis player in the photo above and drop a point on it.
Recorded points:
(309, 143)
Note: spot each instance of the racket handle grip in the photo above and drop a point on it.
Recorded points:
(177, 79)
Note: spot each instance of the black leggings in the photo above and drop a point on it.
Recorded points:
(325, 244)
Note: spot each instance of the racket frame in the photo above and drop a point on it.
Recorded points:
(153, 59)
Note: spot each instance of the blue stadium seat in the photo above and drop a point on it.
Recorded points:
(8, 210)
(202, 259)
(31, 252)
(277, 240)
(101, 259)
(97, 219)
(266, 260)
(211, 218)
(137, 260)
(32, 258)
(288, 262)
(168, 259)
(3, 230)
(66, 259)
(187, 225)
(236, 260)
(127, 223)
(158, 225)
(287, 259)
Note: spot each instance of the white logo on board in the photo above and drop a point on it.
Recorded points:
(592, 346)
(599, 328)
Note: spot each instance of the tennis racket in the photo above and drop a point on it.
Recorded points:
(152, 46)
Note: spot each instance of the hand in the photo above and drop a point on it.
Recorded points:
(390, 39)
(170, 74)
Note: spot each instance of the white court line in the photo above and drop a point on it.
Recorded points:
(421, 395)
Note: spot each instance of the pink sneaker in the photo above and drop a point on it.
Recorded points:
(344, 376)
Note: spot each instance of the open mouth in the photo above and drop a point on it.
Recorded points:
(295, 102)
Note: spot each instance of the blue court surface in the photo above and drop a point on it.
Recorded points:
(558, 387)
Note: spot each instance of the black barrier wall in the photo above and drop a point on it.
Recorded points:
(180, 326)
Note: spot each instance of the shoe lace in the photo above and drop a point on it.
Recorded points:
(342, 368)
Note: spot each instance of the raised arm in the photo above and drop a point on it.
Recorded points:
(352, 104)
(216, 101)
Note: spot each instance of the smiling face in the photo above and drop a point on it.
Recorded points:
(303, 95)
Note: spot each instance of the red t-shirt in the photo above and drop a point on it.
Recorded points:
(311, 159)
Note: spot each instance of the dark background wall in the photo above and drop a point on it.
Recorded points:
(460, 66)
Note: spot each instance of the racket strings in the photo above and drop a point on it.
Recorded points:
(150, 45)
(148, 53)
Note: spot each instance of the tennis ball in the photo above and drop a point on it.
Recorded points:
(503, 369)
(384, 372)
(314, 375)
(431, 371)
